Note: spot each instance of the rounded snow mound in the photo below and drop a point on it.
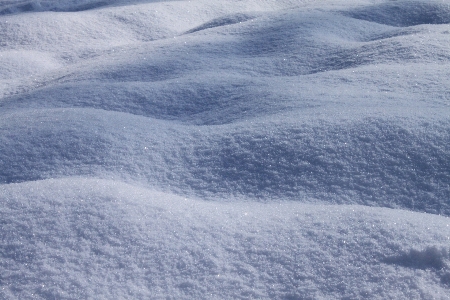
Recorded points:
(404, 13)
(79, 238)
(21, 6)
(378, 162)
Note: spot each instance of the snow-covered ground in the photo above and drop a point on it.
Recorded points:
(213, 149)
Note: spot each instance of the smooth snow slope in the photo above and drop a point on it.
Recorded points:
(86, 239)
(210, 149)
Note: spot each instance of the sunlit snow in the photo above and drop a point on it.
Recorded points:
(211, 149)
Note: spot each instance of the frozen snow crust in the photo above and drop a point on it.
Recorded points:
(224, 149)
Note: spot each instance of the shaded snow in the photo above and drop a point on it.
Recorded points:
(224, 149)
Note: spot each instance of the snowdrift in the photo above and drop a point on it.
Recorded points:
(86, 238)
(224, 149)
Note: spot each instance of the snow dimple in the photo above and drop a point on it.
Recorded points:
(222, 21)
(429, 258)
(404, 13)
(88, 6)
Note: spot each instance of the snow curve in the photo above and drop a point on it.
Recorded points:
(224, 149)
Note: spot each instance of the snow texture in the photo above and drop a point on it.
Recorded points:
(212, 149)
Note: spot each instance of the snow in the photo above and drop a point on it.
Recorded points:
(224, 149)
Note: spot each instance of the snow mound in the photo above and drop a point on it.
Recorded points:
(20, 6)
(405, 13)
(25, 63)
(296, 104)
(370, 161)
(224, 149)
(76, 238)
(12, 7)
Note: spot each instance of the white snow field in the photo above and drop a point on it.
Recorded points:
(212, 149)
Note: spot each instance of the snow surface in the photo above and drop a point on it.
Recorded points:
(212, 149)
